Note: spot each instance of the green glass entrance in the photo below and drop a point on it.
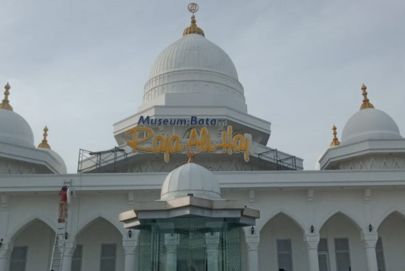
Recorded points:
(190, 244)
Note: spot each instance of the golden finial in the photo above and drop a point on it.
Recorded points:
(366, 102)
(190, 157)
(44, 144)
(5, 104)
(335, 141)
(193, 28)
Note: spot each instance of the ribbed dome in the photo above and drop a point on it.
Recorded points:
(192, 52)
(369, 124)
(14, 129)
(194, 66)
(193, 179)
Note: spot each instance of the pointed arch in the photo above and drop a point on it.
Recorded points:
(346, 214)
(281, 226)
(274, 214)
(26, 222)
(386, 215)
(91, 220)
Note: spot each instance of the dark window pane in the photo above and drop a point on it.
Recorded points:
(19, 254)
(342, 244)
(17, 266)
(284, 245)
(108, 253)
(342, 261)
(342, 254)
(323, 262)
(77, 258)
(107, 265)
(284, 254)
(323, 245)
(108, 250)
(18, 259)
(380, 255)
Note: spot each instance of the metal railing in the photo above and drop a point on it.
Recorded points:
(90, 161)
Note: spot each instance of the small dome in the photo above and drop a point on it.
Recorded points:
(369, 124)
(193, 179)
(14, 129)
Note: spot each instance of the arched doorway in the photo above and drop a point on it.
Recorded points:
(340, 247)
(32, 247)
(98, 247)
(282, 245)
(390, 248)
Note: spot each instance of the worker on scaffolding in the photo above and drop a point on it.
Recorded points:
(64, 199)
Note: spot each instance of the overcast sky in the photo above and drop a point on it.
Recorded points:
(79, 66)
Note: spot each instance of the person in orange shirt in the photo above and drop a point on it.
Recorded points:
(63, 202)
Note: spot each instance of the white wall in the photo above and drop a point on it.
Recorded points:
(305, 208)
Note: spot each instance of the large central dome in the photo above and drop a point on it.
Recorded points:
(194, 72)
(193, 52)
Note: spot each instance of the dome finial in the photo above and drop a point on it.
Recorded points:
(335, 141)
(193, 28)
(5, 104)
(44, 144)
(366, 102)
(190, 156)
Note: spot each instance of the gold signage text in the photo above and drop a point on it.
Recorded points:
(144, 139)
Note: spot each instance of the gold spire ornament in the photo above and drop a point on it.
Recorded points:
(193, 28)
(44, 144)
(5, 104)
(366, 102)
(335, 141)
(190, 156)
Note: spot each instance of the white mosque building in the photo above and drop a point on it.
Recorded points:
(238, 205)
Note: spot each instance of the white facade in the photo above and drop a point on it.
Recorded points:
(350, 215)
(338, 204)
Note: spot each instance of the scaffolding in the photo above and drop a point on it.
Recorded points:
(90, 161)
(281, 160)
(109, 160)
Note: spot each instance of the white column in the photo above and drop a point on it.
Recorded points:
(69, 248)
(312, 241)
(129, 245)
(4, 255)
(212, 245)
(4, 244)
(171, 243)
(252, 243)
(370, 242)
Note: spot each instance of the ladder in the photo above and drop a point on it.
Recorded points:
(60, 237)
(58, 249)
